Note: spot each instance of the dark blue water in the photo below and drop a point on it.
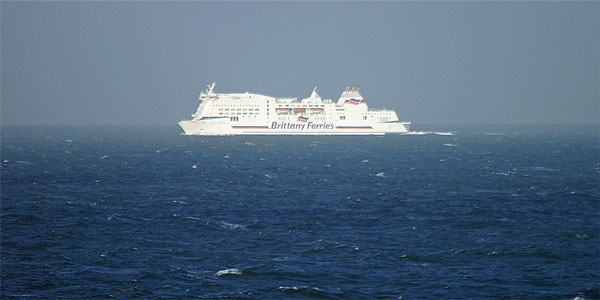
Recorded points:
(488, 213)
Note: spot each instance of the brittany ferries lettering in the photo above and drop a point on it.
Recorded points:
(237, 114)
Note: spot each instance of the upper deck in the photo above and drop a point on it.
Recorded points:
(249, 106)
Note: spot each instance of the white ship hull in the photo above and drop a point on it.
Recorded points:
(191, 127)
(254, 114)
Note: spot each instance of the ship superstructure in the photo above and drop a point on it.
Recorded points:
(248, 113)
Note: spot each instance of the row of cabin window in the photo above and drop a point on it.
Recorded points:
(287, 105)
(281, 118)
(237, 104)
(239, 113)
(382, 119)
(240, 109)
(300, 112)
(235, 119)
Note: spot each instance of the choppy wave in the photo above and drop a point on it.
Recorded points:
(322, 224)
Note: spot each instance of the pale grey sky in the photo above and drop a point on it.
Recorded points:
(433, 62)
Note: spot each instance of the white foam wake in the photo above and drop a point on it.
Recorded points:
(429, 132)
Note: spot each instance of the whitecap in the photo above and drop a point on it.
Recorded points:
(365, 161)
(232, 225)
(450, 145)
(23, 162)
(501, 173)
(539, 168)
(104, 157)
(268, 176)
(194, 167)
(295, 288)
(380, 174)
(229, 272)
(226, 156)
(250, 144)
(68, 141)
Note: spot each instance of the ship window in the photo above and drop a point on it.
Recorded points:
(342, 117)
(233, 119)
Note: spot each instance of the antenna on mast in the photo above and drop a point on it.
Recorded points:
(210, 87)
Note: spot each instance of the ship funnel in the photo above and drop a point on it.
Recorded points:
(351, 92)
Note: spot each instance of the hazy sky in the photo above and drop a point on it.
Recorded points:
(433, 62)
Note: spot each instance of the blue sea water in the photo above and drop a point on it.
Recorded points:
(144, 212)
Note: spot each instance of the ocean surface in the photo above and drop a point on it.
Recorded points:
(446, 213)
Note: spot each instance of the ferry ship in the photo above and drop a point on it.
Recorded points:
(255, 114)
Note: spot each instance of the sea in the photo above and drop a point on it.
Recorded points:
(143, 212)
